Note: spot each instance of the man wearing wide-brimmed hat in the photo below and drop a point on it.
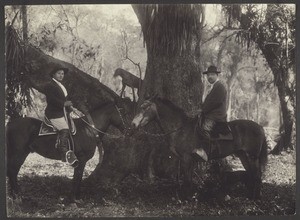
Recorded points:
(214, 106)
(57, 103)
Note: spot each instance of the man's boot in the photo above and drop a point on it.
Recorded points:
(199, 153)
(66, 154)
(63, 145)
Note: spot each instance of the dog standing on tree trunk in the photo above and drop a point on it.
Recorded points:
(128, 79)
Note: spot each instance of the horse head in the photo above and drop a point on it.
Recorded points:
(121, 111)
(147, 113)
(117, 72)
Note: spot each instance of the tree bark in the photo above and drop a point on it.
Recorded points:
(176, 77)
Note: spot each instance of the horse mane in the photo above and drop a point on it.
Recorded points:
(101, 105)
(174, 107)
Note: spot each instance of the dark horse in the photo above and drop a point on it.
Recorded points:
(22, 139)
(249, 142)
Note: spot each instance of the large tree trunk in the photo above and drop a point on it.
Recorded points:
(173, 67)
(177, 79)
(172, 35)
(171, 72)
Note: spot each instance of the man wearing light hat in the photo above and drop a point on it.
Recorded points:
(213, 108)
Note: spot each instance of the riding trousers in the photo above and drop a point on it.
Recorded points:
(206, 125)
(59, 123)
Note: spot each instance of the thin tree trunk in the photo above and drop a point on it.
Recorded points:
(229, 103)
(257, 108)
(24, 23)
(285, 140)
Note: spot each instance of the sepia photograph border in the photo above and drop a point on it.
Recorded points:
(3, 212)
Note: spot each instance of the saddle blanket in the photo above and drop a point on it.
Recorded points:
(48, 129)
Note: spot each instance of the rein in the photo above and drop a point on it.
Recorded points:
(121, 117)
(162, 134)
(96, 129)
(162, 129)
(158, 121)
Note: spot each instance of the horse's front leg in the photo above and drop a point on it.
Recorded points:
(123, 89)
(77, 178)
(187, 187)
(133, 94)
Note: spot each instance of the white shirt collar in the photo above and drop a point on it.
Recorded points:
(62, 87)
(212, 85)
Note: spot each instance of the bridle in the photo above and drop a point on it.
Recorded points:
(102, 132)
(158, 121)
(164, 133)
(126, 128)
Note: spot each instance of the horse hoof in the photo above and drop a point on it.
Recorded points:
(75, 164)
(227, 198)
(78, 201)
(104, 202)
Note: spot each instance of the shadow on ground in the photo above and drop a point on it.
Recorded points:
(45, 197)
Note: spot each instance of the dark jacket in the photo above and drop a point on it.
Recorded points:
(214, 106)
(55, 100)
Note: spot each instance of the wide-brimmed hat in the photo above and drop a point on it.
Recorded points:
(66, 70)
(211, 69)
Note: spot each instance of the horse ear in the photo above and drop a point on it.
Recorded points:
(147, 96)
(154, 96)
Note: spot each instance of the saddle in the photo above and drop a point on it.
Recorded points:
(221, 131)
(48, 129)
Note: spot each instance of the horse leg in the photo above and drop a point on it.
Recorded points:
(253, 181)
(133, 94)
(245, 162)
(256, 178)
(14, 163)
(187, 188)
(123, 89)
(77, 179)
(150, 171)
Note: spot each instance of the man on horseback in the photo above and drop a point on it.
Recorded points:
(213, 109)
(57, 110)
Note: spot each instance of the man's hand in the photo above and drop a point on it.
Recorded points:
(68, 103)
(199, 111)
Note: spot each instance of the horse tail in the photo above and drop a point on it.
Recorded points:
(263, 157)
(7, 144)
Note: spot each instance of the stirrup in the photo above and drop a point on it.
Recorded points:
(200, 153)
(71, 159)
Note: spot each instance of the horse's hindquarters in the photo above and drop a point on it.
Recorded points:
(45, 146)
